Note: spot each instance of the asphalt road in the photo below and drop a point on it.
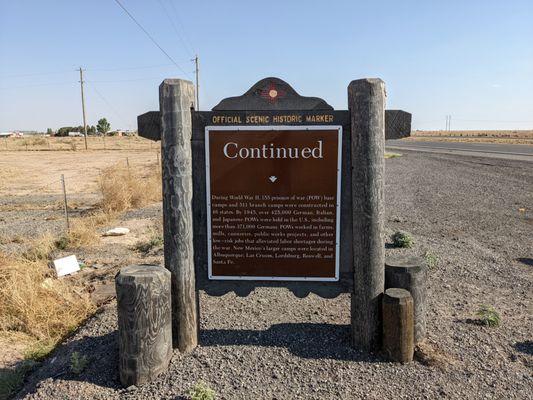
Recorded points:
(492, 150)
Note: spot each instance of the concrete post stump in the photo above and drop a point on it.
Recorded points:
(398, 325)
(144, 322)
(410, 273)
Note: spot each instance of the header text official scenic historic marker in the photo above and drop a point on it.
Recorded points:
(273, 202)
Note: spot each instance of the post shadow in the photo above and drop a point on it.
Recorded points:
(102, 355)
(305, 340)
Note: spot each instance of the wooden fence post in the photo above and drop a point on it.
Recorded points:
(398, 325)
(144, 322)
(366, 103)
(410, 273)
(176, 97)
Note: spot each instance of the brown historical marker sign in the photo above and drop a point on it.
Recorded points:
(273, 202)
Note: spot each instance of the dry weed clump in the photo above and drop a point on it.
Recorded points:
(84, 231)
(40, 248)
(35, 141)
(123, 188)
(34, 304)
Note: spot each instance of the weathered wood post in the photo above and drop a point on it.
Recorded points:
(144, 322)
(398, 325)
(410, 273)
(366, 103)
(176, 98)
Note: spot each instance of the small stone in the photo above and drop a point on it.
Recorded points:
(117, 232)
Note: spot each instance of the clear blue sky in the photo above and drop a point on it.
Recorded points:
(471, 59)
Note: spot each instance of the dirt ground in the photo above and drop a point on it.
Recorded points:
(39, 172)
(474, 214)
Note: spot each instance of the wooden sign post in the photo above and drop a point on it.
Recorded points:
(366, 104)
(176, 98)
(273, 189)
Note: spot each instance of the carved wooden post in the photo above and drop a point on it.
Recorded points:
(366, 103)
(144, 322)
(410, 273)
(398, 325)
(176, 97)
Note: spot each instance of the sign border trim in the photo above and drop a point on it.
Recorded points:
(208, 196)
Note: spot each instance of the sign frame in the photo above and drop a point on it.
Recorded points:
(265, 128)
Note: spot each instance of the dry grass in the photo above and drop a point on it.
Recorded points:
(123, 188)
(34, 141)
(39, 249)
(66, 143)
(36, 306)
(84, 231)
(392, 155)
(494, 136)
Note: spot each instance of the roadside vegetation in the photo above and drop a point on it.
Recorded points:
(431, 259)
(402, 239)
(488, 316)
(201, 391)
(123, 189)
(38, 310)
(154, 239)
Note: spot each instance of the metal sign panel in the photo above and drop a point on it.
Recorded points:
(273, 202)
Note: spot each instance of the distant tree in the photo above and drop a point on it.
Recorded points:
(49, 131)
(64, 130)
(103, 126)
(91, 130)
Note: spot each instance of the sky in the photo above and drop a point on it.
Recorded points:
(471, 59)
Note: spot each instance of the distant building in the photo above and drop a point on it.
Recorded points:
(75, 134)
(11, 134)
(122, 132)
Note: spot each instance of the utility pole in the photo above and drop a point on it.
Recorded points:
(83, 108)
(197, 71)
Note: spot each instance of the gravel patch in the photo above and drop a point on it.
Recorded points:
(474, 214)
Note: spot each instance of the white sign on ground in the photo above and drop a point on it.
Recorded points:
(66, 265)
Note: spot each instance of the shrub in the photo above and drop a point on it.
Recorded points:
(123, 189)
(488, 316)
(39, 350)
(145, 246)
(200, 391)
(78, 363)
(12, 379)
(431, 259)
(84, 231)
(40, 248)
(155, 239)
(402, 239)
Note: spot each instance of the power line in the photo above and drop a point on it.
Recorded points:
(174, 27)
(150, 36)
(37, 84)
(128, 80)
(128, 68)
(176, 14)
(108, 104)
(35, 74)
